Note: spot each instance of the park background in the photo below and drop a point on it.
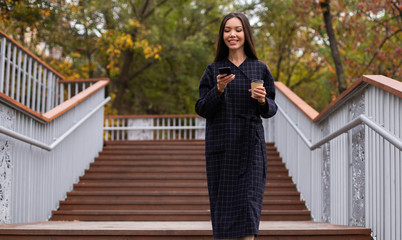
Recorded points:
(155, 51)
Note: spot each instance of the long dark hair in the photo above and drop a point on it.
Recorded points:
(222, 51)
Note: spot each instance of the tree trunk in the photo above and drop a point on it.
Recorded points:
(325, 7)
(121, 83)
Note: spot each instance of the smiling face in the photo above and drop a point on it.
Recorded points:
(233, 34)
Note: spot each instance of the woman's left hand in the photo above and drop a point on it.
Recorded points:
(259, 94)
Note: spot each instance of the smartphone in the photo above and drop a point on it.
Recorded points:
(225, 70)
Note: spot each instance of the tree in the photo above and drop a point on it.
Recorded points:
(187, 36)
(130, 41)
(286, 42)
(326, 11)
(27, 21)
(155, 51)
(368, 37)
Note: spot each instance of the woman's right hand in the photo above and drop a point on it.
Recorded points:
(222, 81)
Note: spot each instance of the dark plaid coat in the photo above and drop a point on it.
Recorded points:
(235, 147)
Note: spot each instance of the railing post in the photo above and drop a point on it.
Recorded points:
(29, 83)
(24, 79)
(39, 90)
(18, 76)
(13, 72)
(61, 93)
(34, 83)
(200, 133)
(49, 91)
(7, 80)
(2, 62)
(44, 86)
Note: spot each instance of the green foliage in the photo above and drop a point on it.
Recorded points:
(187, 35)
(27, 21)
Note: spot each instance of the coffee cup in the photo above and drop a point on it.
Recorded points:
(256, 83)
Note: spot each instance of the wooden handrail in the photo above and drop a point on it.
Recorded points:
(310, 112)
(70, 103)
(17, 105)
(32, 55)
(385, 83)
(58, 110)
(82, 80)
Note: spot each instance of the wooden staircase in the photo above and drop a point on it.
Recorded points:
(140, 184)
(165, 181)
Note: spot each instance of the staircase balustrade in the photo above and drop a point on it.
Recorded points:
(27, 79)
(30, 81)
(154, 127)
(35, 178)
(346, 161)
(49, 134)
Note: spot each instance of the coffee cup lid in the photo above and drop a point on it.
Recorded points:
(257, 80)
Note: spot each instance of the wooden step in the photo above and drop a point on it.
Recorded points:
(146, 175)
(167, 195)
(160, 184)
(131, 215)
(278, 163)
(99, 164)
(159, 167)
(157, 142)
(138, 195)
(154, 147)
(150, 167)
(282, 181)
(167, 204)
(131, 184)
(135, 204)
(110, 157)
(157, 170)
(167, 215)
(156, 185)
(153, 152)
(176, 230)
(98, 181)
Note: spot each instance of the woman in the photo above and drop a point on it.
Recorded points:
(234, 142)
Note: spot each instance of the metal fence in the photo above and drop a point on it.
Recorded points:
(347, 161)
(31, 82)
(37, 178)
(27, 79)
(153, 127)
(40, 158)
(70, 88)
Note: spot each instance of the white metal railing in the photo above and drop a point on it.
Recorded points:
(347, 163)
(27, 79)
(146, 127)
(50, 147)
(30, 81)
(40, 160)
(70, 88)
(40, 175)
(361, 119)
